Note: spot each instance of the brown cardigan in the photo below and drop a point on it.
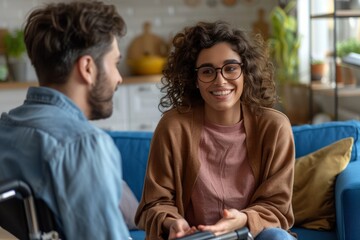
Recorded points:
(173, 168)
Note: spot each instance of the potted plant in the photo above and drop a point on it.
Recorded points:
(15, 50)
(318, 68)
(346, 47)
(345, 74)
(284, 45)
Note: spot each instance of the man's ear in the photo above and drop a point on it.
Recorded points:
(87, 69)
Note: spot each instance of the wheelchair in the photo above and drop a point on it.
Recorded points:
(29, 218)
(24, 216)
(240, 234)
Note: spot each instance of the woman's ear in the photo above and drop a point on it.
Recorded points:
(87, 69)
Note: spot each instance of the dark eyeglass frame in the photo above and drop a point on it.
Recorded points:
(221, 71)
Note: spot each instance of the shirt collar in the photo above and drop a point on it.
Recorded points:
(45, 95)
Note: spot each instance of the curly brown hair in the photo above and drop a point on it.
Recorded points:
(57, 35)
(179, 80)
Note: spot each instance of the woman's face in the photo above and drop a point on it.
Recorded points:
(221, 96)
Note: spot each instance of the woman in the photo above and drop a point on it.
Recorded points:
(221, 158)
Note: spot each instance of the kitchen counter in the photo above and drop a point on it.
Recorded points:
(135, 102)
(127, 80)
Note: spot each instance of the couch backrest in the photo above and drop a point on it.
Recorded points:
(309, 138)
(134, 148)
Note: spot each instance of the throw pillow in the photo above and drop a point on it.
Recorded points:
(128, 206)
(315, 174)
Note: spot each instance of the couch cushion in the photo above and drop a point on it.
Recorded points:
(134, 149)
(313, 198)
(137, 234)
(347, 195)
(309, 138)
(307, 234)
(128, 206)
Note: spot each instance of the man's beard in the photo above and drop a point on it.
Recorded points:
(101, 98)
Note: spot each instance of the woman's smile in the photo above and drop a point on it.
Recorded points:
(221, 92)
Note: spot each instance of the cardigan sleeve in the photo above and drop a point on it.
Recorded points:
(272, 155)
(159, 199)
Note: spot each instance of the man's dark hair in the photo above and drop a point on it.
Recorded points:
(57, 35)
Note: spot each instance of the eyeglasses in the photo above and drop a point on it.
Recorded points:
(229, 71)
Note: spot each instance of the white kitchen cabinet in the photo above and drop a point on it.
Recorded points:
(135, 108)
(143, 102)
(11, 98)
(119, 118)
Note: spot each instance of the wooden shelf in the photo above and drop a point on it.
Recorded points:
(126, 80)
(338, 14)
(17, 85)
(142, 79)
(342, 90)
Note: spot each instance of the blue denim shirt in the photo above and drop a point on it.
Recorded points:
(72, 165)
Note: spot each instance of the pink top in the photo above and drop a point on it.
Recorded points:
(225, 179)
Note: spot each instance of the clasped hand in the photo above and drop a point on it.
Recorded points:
(232, 220)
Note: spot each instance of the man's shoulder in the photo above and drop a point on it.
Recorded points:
(65, 129)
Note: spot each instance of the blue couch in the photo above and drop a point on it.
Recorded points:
(134, 148)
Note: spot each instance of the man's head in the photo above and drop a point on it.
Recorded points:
(66, 36)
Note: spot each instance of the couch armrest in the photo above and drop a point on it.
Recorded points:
(347, 201)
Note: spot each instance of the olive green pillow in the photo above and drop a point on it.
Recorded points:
(315, 174)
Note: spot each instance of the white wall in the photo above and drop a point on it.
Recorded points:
(303, 32)
(166, 16)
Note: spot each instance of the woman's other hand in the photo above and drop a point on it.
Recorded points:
(232, 220)
(179, 228)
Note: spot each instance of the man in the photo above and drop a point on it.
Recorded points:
(48, 141)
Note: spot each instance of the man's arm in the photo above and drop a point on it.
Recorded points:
(87, 180)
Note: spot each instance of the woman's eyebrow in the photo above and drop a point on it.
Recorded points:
(231, 61)
(206, 65)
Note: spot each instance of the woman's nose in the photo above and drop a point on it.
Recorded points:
(219, 78)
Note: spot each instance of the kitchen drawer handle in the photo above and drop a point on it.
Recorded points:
(144, 126)
(144, 89)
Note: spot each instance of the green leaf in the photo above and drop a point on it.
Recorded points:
(14, 43)
(284, 43)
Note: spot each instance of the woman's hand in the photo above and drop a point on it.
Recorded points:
(179, 228)
(232, 220)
